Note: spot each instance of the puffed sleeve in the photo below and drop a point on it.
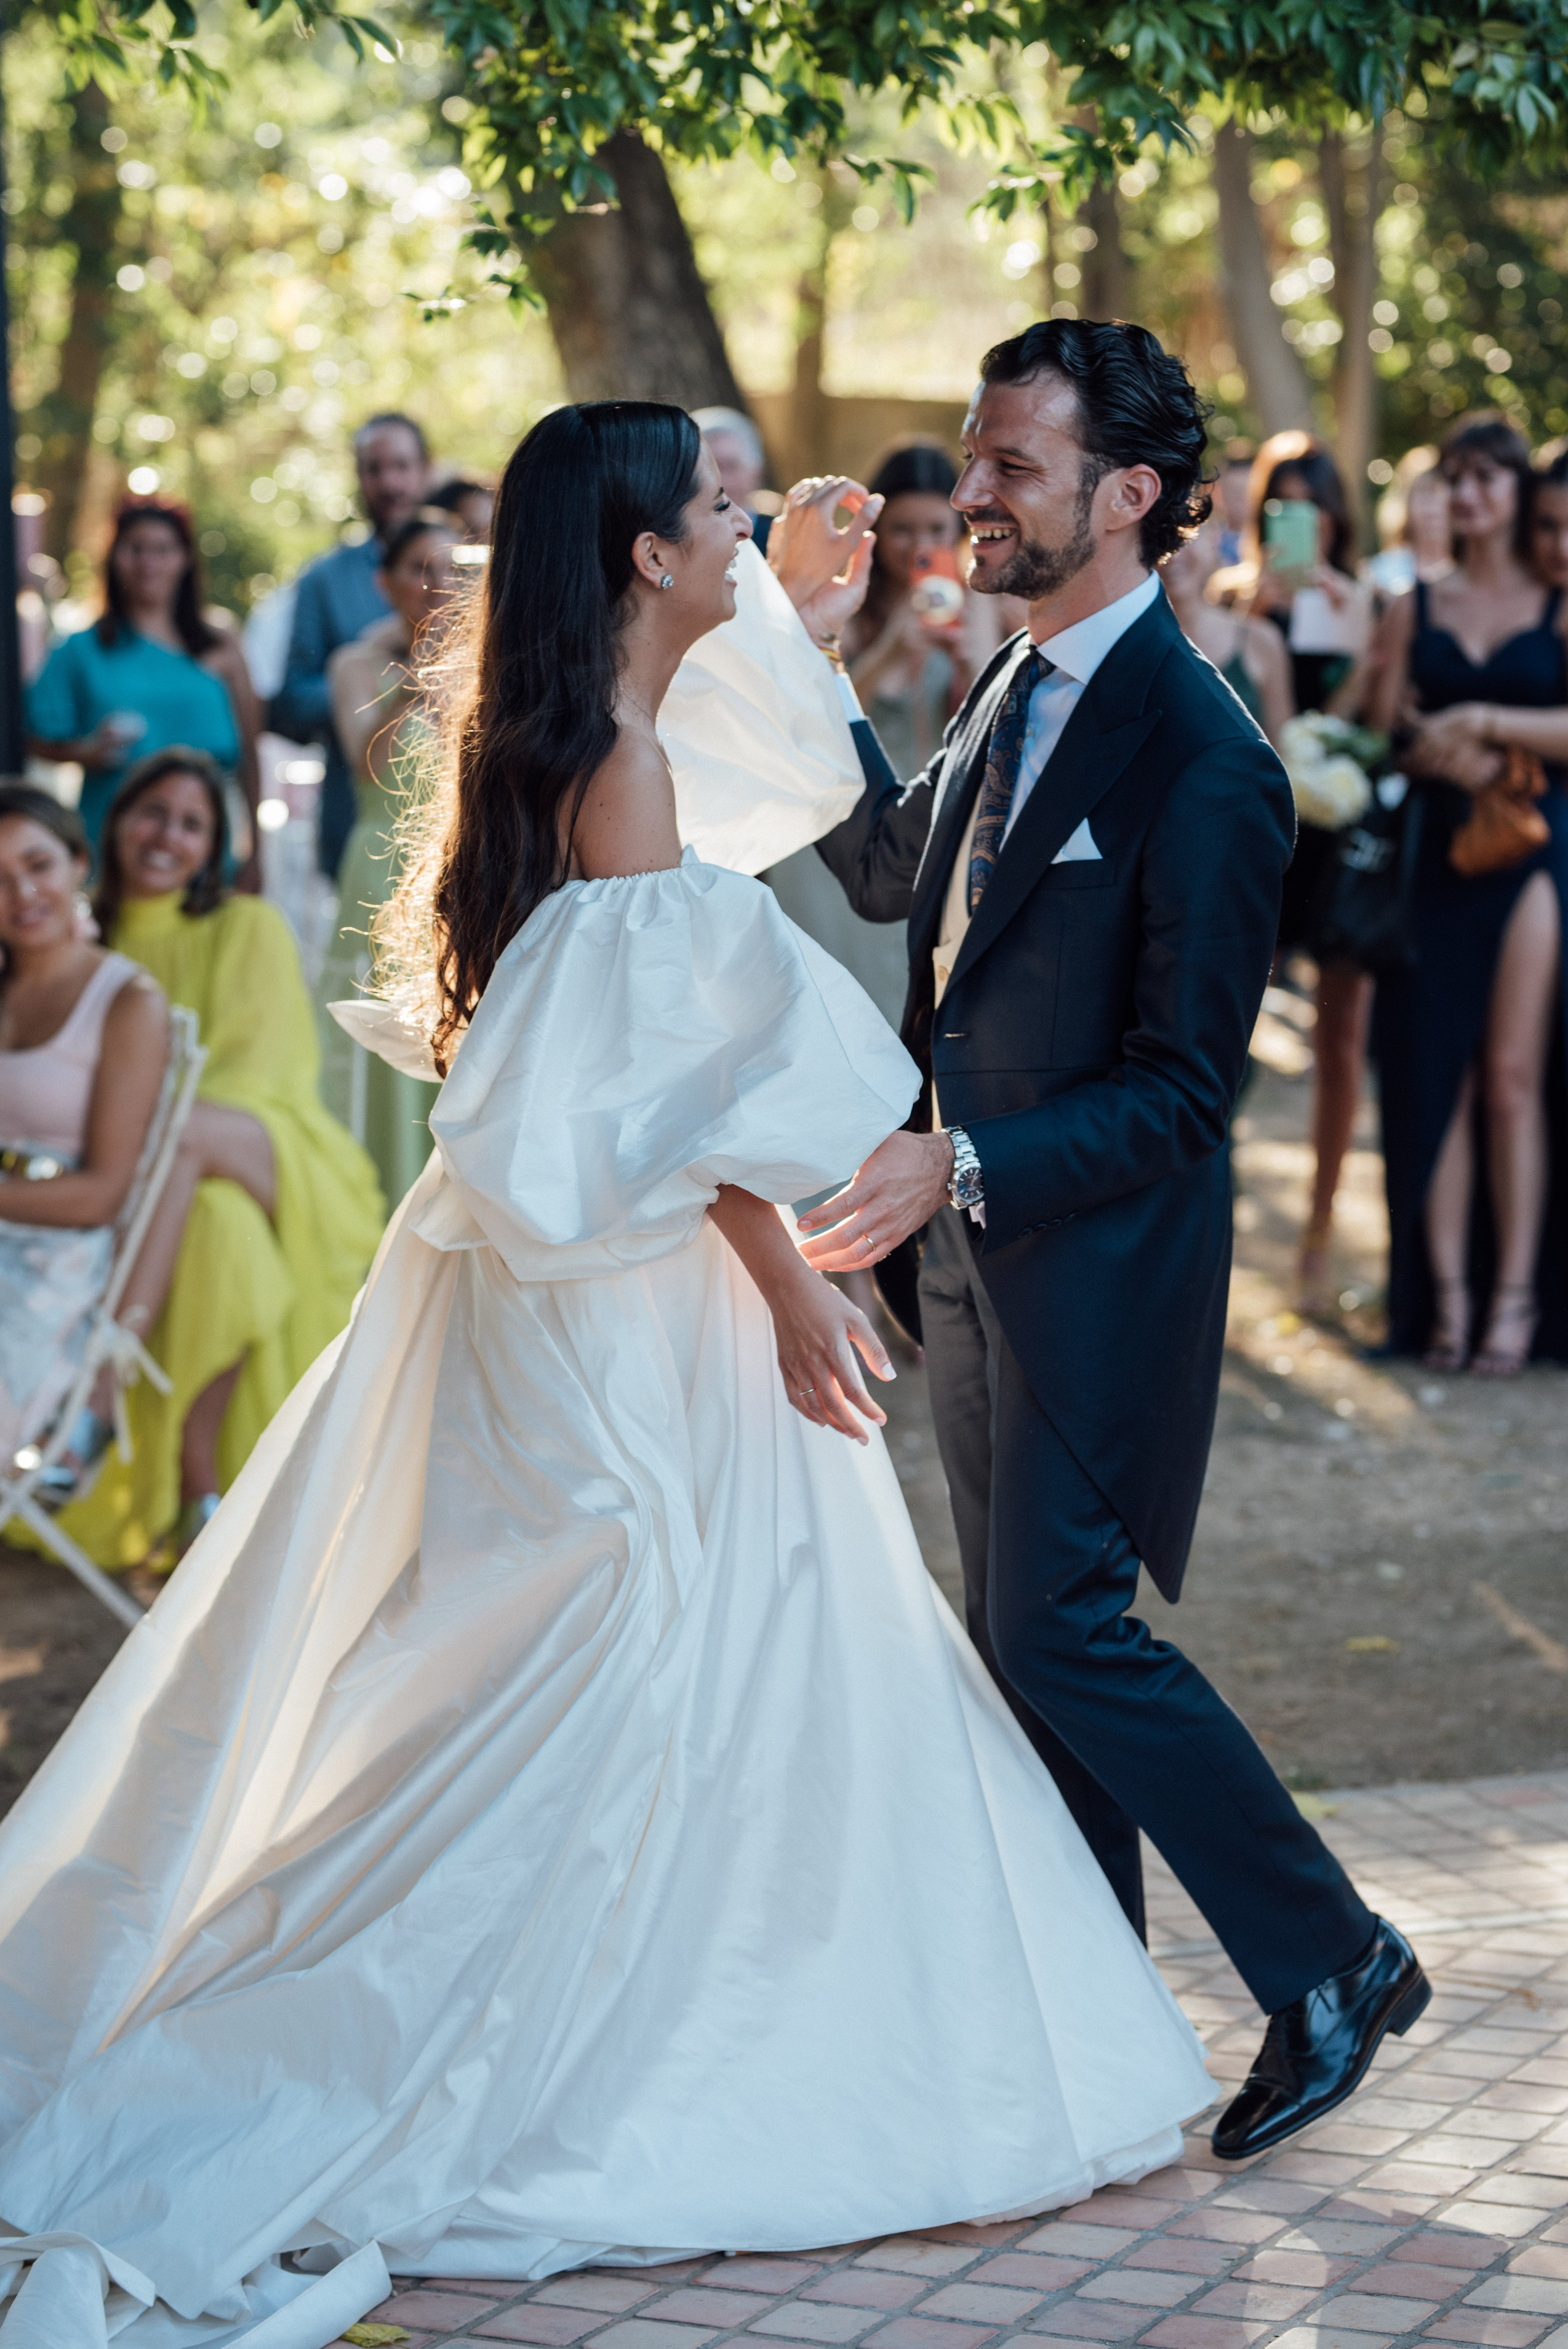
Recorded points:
(641, 1042)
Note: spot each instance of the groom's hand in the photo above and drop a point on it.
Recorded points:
(899, 1188)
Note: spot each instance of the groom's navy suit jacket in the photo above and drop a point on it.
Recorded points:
(1092, 1039)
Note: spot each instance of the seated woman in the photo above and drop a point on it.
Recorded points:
(273, 1214)
(84, 1038)
(384, 722)
(152, 670)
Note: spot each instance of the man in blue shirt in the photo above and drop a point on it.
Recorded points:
(338, 600)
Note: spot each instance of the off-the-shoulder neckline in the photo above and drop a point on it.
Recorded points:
(690, 865)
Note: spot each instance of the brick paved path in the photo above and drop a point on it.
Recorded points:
(1431, 2208)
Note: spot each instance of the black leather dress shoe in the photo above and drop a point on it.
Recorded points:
(1316, 2051)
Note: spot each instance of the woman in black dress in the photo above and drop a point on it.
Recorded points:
(1468, 1042)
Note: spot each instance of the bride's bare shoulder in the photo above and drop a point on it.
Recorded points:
(627, 821)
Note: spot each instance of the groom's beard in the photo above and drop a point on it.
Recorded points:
(1034, 570)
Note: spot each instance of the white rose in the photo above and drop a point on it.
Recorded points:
(1335, 793)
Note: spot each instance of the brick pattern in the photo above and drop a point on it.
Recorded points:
(1429, 2208)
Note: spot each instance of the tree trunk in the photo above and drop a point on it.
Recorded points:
(1350, 196)
(1107, 288)
(1276, 380)
(627, 304)
(63, 418)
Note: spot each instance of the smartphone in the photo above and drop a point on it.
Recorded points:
(1291, 534)
(938, 594)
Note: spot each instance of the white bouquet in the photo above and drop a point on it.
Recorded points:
(1326, 759)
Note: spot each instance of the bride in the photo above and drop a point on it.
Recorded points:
(552, 1817)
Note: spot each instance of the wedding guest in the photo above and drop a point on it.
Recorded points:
(337, 597)
(84, 1039)
(1468, 731)
(1234, 486)
(272, 1216)
(154, 669)
(906, 671)
(909, 669)
(1414, 522)
(385, 724)
(1549, 525)
(1463, 1039)
(1324, 614)
(735, 446)
(469, 499)
(1248, 653)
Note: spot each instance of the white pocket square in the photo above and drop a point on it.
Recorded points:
(1081, 849)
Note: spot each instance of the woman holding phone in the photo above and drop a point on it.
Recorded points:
(1301, 543)
(910, 670)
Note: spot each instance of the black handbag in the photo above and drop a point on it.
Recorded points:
(1364, 915)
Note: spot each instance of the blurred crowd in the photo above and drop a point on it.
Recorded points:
(1418, 696)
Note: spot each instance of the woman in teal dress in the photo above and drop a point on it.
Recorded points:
(151, 671)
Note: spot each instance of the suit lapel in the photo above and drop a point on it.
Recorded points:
(961, 772)
(1110, 725)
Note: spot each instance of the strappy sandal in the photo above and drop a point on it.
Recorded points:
(1314, 1296)
(1495, 1362)
(1451, 1352)
(73, 1476)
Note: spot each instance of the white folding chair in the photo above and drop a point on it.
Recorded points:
(109, 1345)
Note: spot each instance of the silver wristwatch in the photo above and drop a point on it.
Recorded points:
(966, 1185)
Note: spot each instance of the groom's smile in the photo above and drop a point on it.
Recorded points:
(1038, 503)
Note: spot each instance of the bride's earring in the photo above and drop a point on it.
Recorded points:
(667, 581)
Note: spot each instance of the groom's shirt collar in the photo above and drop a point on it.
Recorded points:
(1077, 652)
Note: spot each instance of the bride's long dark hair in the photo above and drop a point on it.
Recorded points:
(543, 657)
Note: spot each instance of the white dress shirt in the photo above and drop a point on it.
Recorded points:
(1076, 653)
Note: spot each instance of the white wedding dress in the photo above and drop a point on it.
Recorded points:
(551, 1815)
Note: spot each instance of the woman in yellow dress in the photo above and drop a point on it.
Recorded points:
(381, 710)
(273, 1214)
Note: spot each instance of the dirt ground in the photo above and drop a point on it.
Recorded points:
(1380, 1578)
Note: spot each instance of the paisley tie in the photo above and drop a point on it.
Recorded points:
(1001, 776)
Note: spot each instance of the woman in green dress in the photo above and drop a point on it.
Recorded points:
(385, 723)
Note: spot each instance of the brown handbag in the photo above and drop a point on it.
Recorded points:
(1504, 826)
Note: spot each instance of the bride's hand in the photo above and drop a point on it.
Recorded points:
(818, 1332)
(823, 570)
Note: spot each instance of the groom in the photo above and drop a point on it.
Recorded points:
(1091, 869)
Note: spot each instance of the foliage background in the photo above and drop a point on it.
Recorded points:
(265, 261)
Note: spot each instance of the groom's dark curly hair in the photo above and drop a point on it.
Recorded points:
(1136, 405)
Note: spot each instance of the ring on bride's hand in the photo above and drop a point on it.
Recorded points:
(866, 1241)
